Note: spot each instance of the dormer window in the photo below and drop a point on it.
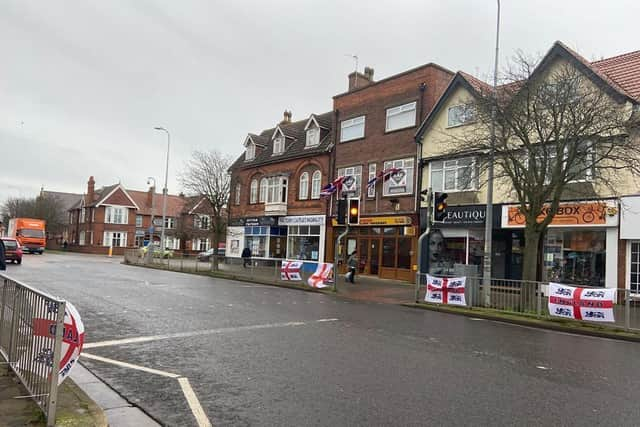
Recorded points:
(250, 152)
(278, 145)
(313, 137)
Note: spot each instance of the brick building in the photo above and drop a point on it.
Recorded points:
(375, 124)
(117, 217)
(275, 207)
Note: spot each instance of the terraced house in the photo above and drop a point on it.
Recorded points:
(594, 238)
(275, 207)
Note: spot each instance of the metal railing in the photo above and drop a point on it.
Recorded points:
(531, 298)
(31, 351)
(264, 269)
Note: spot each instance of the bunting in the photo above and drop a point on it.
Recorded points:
(332, 187)
(384, 175)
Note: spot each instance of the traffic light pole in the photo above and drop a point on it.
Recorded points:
(420, 240)
(337, 257)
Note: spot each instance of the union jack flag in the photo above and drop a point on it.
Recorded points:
(332, 187)
(384, 174)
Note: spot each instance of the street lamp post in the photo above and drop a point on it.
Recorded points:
(151, 226)
(488, 250)
(164, 190)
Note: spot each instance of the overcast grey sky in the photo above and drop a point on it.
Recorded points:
(83, 83)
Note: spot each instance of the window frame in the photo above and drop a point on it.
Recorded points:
(113, 213)
(391, 112)
(237, 194)
(277, 189)
(315, 141)
(316, 177)
(468, 107)
(250, 152)
(280, 141)
(262, 193)
(444, 168)
(253, 191)
(303, 186)
(410, 180)
(351, 123)
(358, 177)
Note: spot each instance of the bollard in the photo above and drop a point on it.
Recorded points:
(110, 251)
(627, 309)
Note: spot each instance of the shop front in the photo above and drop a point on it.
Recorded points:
(305, 238)
(386, 246)
(261, 235)
(459, 240)
(580, 246)
(630, 238)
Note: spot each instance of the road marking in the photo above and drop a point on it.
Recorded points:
(199, 333)
(130, 365)
(194, 403)
(187, 390)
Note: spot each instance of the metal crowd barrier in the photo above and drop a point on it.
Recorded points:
(532, 298)
(31, 353)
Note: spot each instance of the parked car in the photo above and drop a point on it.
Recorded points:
(207, 255)
(13, 252)
(157, 253)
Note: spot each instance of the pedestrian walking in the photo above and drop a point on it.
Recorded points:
(3, 261)
(352, 264)
(246, 257)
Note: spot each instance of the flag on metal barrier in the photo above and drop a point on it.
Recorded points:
(591, 304)
(321, 276)
(290, 270)
(446, 290)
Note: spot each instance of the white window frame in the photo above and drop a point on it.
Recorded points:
(172, 242)
(452, 165)
(253, 193)
(250, 152)
(263, 190)
(356, 172)
(83, 215)
(304, 186)
(108, 238)
(169, 222)
(352, 123)
(371, 191)
(460, 114)
(202, 222)
(139, 221)
(589, 172)
(316, 184)
(401, 110)
(237, 195)
(407, 164)
(278, 145)
(276, 190)
(115, 215)
(313, 137)
(81, 239)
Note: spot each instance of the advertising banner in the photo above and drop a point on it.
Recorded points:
(290, 270)
(322, 275)
(446, 290)
(581, 303)
(72, 342)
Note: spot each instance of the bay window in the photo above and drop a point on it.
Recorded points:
(277, 189)
(115, 215)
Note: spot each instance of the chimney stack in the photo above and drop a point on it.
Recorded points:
(287, 118)
(359, 80)
(150, 194)
(91, 186)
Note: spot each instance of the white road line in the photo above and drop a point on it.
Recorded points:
(198, 333)
(194, 403)
(129, 365)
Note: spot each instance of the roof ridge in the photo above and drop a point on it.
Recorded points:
(616, 57)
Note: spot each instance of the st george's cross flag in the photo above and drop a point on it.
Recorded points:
(445, 290)
(591, 304)
(290, 270)
(321, 276)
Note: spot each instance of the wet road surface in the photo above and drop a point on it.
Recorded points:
(260, 355)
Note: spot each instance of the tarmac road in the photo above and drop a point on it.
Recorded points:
(260, 355)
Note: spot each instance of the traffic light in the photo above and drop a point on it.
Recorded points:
(354, 211)
(439, 206)
(342, 211)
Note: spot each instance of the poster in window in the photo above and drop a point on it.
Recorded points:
(349, 184)
(398, 182)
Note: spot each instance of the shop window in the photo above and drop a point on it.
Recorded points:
(404, 253)
(634, 282)
(575, 257)
(389, 253)
(303, 243)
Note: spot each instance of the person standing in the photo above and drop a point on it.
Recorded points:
(352, 264)
(246, 257)
(3, 261)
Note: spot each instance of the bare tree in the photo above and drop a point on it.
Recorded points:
(46, 207)
(558, 135)
(206, 175)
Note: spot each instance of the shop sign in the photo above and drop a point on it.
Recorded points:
(253, 221)
(467, 216)
(603, 213)
(302, 220)
(386, 220)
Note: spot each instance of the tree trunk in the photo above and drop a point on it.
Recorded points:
(529, 267)
(214, 257)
